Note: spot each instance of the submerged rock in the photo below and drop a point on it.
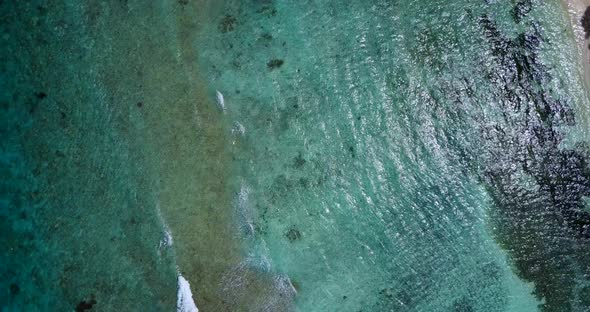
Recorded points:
(275, 63)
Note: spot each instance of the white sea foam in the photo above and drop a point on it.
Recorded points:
(244, 208)
(185, 302)
(166, 241)
(220, 100)
(239, 128)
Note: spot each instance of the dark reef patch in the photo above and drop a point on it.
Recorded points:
(265, 39)
(391, 299)
(544, 228)
(227, 24)
(293, 234)
(521, 9)
(586, 22)
(266, 36)
(351, 151)
(14, 289)
(275, 63)
(40, 95)
(85, 305)
(267, 11)
(299, 161)
(463, 305)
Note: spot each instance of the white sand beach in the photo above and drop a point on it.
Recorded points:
(576, 9)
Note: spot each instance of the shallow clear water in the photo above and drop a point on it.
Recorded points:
(368, 156)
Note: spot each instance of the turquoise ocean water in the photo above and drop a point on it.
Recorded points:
(377, 155)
